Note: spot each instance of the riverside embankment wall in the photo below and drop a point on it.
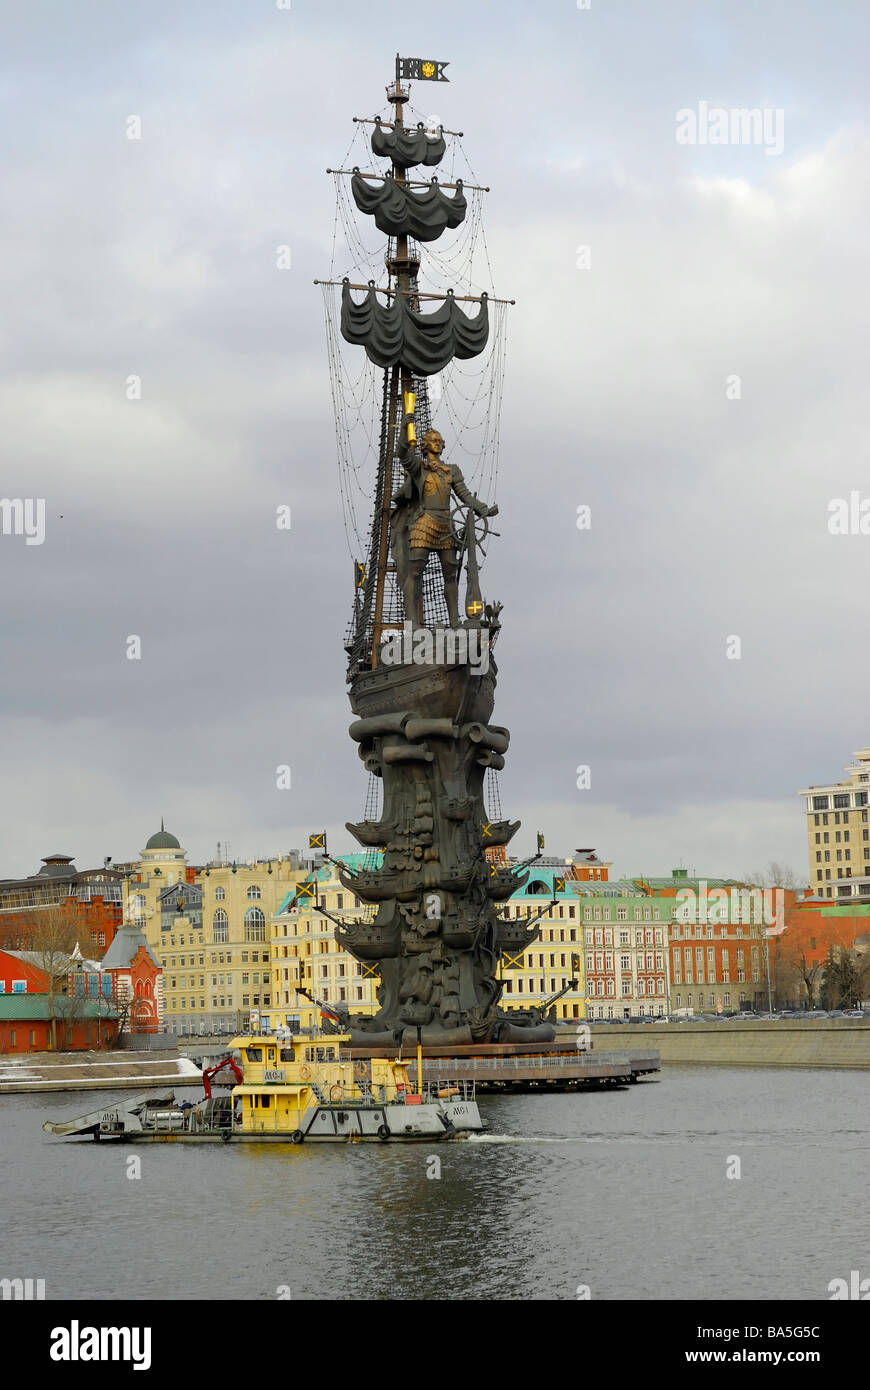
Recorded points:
(835, 1042)
(91, 1071)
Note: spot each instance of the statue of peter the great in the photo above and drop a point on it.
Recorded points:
(421, 523)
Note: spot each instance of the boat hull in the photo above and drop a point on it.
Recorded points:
(322, 1124)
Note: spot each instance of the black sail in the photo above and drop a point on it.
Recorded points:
(423, 343)
(407, 147)
(400, 211)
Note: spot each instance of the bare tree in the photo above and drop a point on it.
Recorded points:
(53, 932)
(796, 963)
(776, 875)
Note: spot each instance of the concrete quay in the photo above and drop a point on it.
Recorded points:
(834, 1042)
(93, 1071)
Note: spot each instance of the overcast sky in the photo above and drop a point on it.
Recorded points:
(156, 257)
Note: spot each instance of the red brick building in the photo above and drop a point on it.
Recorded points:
(84, 1007)
(92, 896)
(26, 1025)
(18, 976)
(137, 980)
(588, 868)
(718, 952)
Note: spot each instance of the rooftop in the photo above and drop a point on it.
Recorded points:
(23, 1007)
(162, 839)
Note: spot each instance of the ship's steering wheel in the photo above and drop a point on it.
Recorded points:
(459, 519)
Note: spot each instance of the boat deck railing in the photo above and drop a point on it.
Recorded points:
(436, 1089)
(448, 1089)
(483, 1064)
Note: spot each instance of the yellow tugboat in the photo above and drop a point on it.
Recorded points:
(303, 1089)
(294, 1088)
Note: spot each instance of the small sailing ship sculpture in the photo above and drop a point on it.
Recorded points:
(421, 674)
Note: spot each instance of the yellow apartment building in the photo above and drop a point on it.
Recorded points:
(209, 927)
(305, 951)
(838, 833)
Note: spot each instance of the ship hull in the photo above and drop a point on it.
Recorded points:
(324, 1124)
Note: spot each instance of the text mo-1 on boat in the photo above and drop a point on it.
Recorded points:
(293, 1089)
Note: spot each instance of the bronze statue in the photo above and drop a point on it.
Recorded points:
(421, 523)
(433, 932)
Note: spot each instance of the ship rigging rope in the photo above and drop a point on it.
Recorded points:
(362, 406)
(492, 796)
(466, 395)
(469, 402)
(344, 215)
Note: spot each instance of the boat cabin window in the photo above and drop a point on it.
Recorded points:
(287, 1054)
(309, 1054)
(266, 1101)
(326, 1054)
(255, 1054)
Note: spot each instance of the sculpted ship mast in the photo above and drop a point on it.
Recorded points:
(421, 673)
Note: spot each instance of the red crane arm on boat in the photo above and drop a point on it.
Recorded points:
(208, 1073)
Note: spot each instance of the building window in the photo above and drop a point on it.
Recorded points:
(255, 924)
(221, 927)
(220, 893)
(820, 803)
(254, 890)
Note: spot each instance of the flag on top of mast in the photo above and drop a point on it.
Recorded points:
(420, 70)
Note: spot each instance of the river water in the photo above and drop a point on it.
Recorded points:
(623, 1192)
